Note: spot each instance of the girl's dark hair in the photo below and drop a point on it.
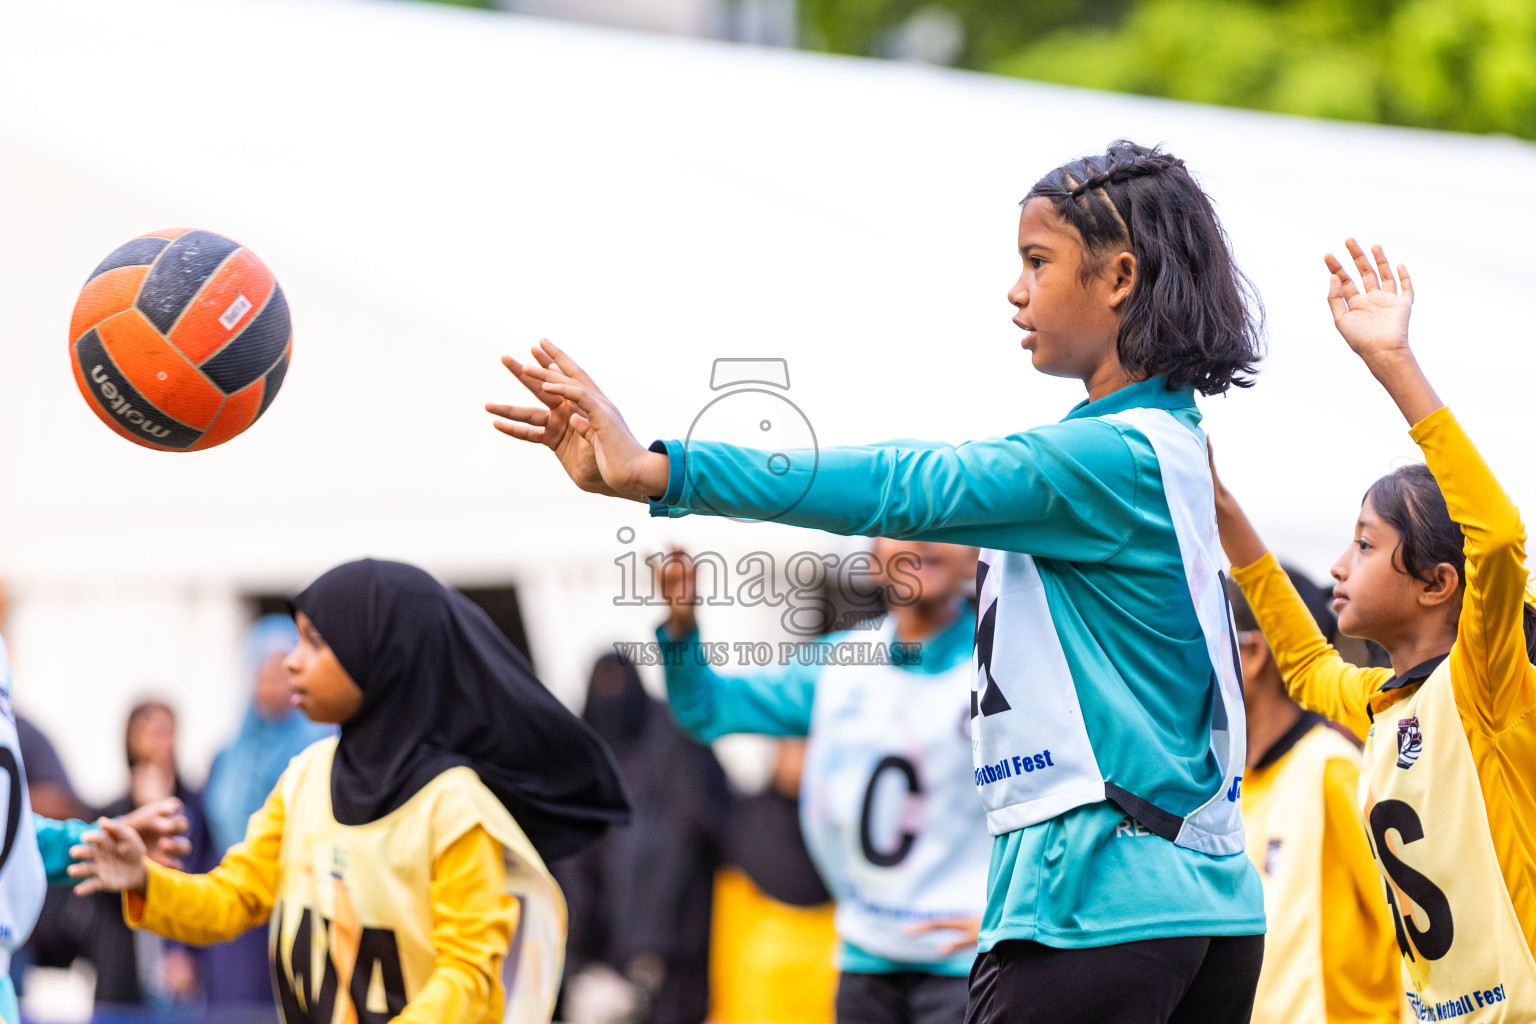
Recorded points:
(1192, 316)
(1409, 500)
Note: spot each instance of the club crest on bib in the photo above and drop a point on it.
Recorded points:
(1410, 741)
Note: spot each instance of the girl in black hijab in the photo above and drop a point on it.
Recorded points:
(411, 849)
(641, 899)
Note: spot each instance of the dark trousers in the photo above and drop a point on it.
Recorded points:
(906, 997)
(1155, 981)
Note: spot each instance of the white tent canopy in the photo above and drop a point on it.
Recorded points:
(435, 186)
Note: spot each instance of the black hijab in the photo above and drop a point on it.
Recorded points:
(443, 687)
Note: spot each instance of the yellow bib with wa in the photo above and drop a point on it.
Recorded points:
(1284, 824)
(1464, 954)
(351, 928)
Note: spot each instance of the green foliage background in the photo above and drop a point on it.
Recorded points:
(1462, 65)
(1459, 65)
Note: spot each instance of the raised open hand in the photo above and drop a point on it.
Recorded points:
(1373, 318)
(677, 580)
(110, 858)
(626, 468)
(558, 425)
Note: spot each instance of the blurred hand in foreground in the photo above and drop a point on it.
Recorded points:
(110, 858)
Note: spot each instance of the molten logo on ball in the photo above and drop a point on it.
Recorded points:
(180, 340)
(120, 407)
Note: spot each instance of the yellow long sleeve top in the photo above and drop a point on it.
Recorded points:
(1356, 950)
(1492, 678)
(1358, 943)
(472, 916)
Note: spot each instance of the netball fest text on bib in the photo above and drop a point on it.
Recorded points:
(1464, 953)
(989, 699)
(1027, 653)
(1033, 757)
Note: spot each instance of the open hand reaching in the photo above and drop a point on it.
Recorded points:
(162, 826)
(559, 426)
(582, 426)
(110, 858)
(1373, 318)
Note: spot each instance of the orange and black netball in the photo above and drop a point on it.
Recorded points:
(180, 339)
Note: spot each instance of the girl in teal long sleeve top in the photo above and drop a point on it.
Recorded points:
(910, 707)
(1128, 286)
(1084, 495)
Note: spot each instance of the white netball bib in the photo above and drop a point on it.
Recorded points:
(23, 882)
(1464, 952)
(1034, 758)
(887, 807)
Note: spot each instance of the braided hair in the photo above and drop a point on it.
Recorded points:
(1192, 316)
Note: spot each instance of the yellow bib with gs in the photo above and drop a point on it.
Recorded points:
(1464, 958)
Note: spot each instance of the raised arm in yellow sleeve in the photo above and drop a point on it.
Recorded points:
(1315, 675)
(1495, 683)
(229, 900)
(473, 919)
(1361, 977)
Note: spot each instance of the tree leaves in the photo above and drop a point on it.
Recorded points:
(1463, 65)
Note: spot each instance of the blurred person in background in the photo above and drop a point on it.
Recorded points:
(48, 787)
(37, 849)
(1330, 953)
(139, 967)
(272, 733)
(640, 899)
(60, 931)
(774, 942)
(887, 801)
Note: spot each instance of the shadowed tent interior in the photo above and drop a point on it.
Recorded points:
(435, 186)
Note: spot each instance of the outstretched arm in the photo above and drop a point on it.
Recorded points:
(1315, 674)
(230, 899)
(1495, 681)
(161, 826)
(1066, 491)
